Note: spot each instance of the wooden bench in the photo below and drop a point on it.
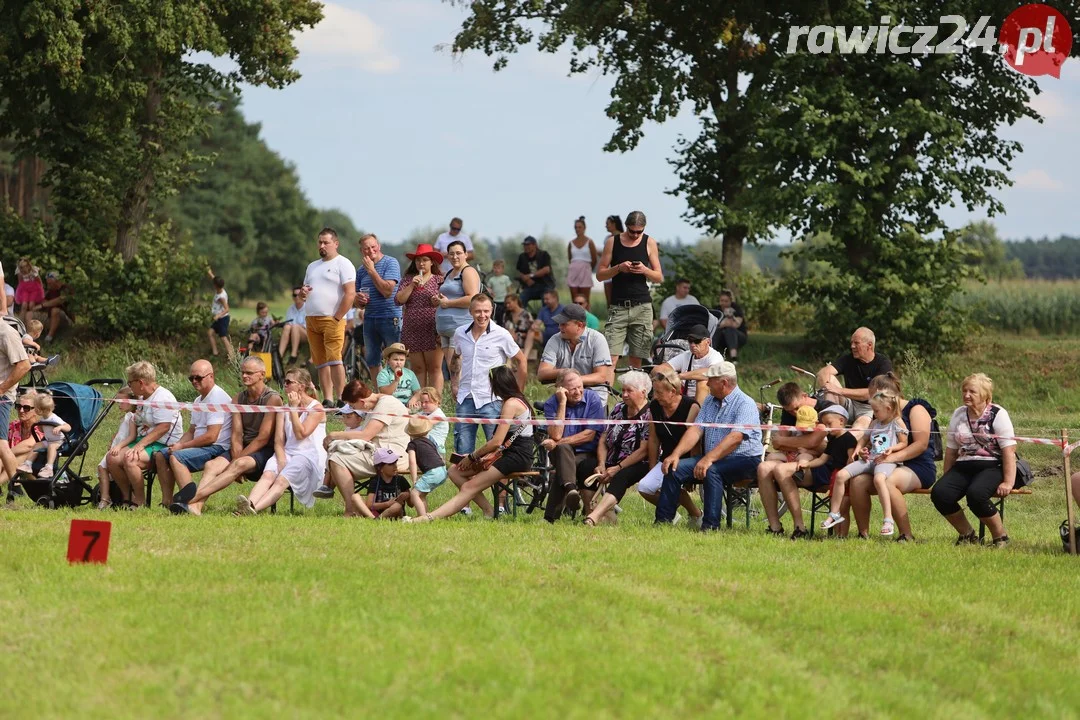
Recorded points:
(820, 499)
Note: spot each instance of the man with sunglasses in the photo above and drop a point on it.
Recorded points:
(207, 437)
(700, 356)
(631, 259)
(14, 364)
(444, 240)
(251, 441)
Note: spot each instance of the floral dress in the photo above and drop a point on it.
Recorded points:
(418, 316)
(622, 440)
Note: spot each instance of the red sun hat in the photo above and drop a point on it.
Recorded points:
(425, 250)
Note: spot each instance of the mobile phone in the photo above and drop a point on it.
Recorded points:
(455, 458)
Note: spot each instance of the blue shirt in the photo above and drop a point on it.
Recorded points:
(379, 306)
(590, 408)
(737, 408)
(551, 328)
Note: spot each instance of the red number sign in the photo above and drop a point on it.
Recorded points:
(88, 541)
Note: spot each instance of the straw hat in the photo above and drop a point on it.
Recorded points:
(395, 349)
(418, 426)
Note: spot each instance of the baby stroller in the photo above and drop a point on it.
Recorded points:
(80, 406)
(680, 321)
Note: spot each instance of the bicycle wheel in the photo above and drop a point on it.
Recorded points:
(277, 370)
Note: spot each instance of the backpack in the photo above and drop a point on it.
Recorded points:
(1024, 476)
(937, 440)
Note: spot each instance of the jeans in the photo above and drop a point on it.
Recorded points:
(733, 468)
(532, 292)
(379, 334)
(465, 433)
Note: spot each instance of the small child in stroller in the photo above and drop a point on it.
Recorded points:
(54, 429)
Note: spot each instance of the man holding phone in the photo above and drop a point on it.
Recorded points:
(328, 292)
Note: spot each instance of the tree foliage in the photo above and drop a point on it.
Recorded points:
(1057, 259)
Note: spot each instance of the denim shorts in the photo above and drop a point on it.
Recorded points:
(5, 417)
(194, 459)
(432, 479)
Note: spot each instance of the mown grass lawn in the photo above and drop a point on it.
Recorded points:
(308, 615)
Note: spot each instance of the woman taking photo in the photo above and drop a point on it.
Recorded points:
(622, 455)
(516, 441)
(581, 252)
(418, 289)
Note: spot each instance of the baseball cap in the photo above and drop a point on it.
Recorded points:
(836, 410)
(721, 369)
(52, 275)
(529, 240)
(348, 410)
(385, 456)
(570, 312)
(806, 418)
(697, 333)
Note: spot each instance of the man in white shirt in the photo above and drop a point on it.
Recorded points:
(295, 328)
(700, 356)
(475, 349)
(207, 437)
(682, 296)
(448, 237)
(328, 293)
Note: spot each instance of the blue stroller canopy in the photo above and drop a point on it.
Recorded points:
(78, 405)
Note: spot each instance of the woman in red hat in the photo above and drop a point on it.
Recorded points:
(421, 284)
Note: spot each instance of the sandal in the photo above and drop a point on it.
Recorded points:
(104, 505)
(588, 521)
(888, 527)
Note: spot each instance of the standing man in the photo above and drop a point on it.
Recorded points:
(14, 364)
(446, 238)
(475, 349)
(682, 296)
(328, 293)
(858, 368)
(578, 348)
(631, 259)
(534, 271)
(376, 283)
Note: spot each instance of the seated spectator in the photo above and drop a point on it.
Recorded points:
(669, 405)
(472, 474)
(591, 321)
(396, 379)
(23, 437)
(8, 307)
(259, 330)
(700, 356)
(622, 454)
(54, 309)
(534, 271)
(518, 322)
(546, 316)
(729, 455)
(426, 467)
(155, 429)
(730, 332)
(682, 296)
(858, 368)
(388, 492)
(576, 347)
(251, 441)
(29, 292)
(295, 330)
(125, 433)
(54, 430)
(572, 446)
(299, 456)
(351, 452)
(430, 407)
(980, 462)
(208, 437)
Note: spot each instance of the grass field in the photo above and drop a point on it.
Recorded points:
(313, 616)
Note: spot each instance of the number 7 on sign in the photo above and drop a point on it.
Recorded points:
(88, 541)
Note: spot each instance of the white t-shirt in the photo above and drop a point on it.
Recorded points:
(49, 430)
(201, 419)
(327, 280)
(671, 302)
(218, 304)
(295, 315)
(686, 361)
(444, 240)
(147, 417)
(439, 430)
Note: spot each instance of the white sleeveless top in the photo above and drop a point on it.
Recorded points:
(313, 443)
(581, 254)
(526, 430)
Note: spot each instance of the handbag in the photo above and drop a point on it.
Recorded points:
(485, 462)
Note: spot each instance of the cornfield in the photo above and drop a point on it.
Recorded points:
(1051, 308)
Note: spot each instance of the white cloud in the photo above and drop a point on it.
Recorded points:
(1038, 180)
(1049, 104)
(348, 37)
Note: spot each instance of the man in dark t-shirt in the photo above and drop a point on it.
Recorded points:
(534, 271)
(858, 368)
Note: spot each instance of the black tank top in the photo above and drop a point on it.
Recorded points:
(669, 435)
(629, 287)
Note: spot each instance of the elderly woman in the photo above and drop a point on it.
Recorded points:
(420, 286)
(622, 455)
(351, 451)
(980, 462)
(917, 470)
(299, 455)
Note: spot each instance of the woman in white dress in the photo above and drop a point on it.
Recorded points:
(299, 456)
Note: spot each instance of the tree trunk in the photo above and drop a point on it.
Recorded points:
(137, 198)
(731, 256)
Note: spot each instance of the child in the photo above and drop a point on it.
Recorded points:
(388, 492)
(430, 401)
(805, 421)
(259, 332)
(498, 282)
(54, 429)
(396, 379)
(839, 449)
(426, 467)
(219, 326)
(29, 292)
(886, 435)
(125, 434)
(29, 341)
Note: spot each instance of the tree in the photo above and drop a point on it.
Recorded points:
(994, 260)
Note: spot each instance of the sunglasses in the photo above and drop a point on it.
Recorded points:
(295, 295)
(454, 229)
(198, 378)
(634, 232)
(25, 408)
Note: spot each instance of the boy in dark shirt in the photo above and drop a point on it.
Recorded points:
(426, 466)
(838, 449)
(388, 493)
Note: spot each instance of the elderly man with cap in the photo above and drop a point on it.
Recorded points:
(534, 271)
(700, 356)
(576, 347)
(730, 454)
(571, 442)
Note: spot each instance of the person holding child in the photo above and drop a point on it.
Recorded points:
(396, 379)
(820, 471)
(54, 430)
(886, 436)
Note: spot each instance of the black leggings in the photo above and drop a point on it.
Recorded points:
(627, 478)
(978, 480)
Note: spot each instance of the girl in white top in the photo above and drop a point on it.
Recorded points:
(299, 457)
(581, 251)
(124, 434)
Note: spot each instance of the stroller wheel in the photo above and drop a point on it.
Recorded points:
(46, 501)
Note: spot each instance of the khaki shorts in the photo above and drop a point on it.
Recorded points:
(361, 465)
(857, 409)
(326, 339)
(630, 325)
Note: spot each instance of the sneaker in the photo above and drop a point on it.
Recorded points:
(26, 467)
(1001, 542)
(678, 518)
(617, 509)
(695, 522)
(53, 361)
(800, 534)
(833, 519)
(465, 511)
(969, 539)
(324, 492)
(244, 506)
(45, 473)
(573, 501)
(888, 527)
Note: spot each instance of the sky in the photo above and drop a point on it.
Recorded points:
(401, 136)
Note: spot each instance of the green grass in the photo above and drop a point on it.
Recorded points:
(313, 616)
